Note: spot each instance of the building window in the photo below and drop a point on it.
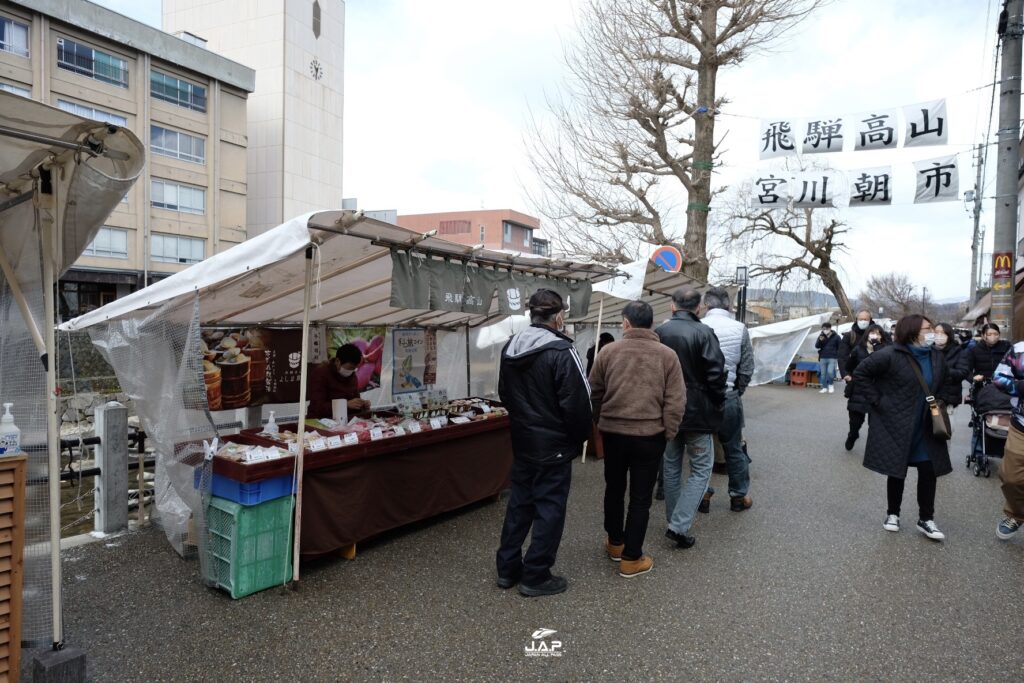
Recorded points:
(483, 234)
(178, 197)
(92, 63)
(109, 243)
(13, 37)
(177, 91)
(77, 298)
(526, 238)
(316, 19)
(171, 143)
(91, 113)
(15, 90)
(454, 227)
(177, 249)
(508, 232)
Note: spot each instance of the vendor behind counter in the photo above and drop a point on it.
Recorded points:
(336, 379)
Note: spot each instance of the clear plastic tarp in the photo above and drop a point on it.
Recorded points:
(777, 344)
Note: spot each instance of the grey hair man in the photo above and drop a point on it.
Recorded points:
(704, 373)
(734, 340)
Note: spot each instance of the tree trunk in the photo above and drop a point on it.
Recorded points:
(831, 280)
(695, 242)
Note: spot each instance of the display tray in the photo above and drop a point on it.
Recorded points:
(334, 456)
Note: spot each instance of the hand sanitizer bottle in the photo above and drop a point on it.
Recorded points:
(10, 435)
(271, 426)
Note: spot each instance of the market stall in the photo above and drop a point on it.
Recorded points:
(318, 275)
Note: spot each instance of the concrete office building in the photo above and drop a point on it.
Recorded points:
(186, 104)
(495, 229)
(295, 115)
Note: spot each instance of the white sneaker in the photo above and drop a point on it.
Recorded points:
(930, 530)
(831, 389)
(892, 523)
(823, 390)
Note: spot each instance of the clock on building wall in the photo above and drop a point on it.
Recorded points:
(316, 69)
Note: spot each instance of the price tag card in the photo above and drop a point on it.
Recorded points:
(486, 408)
(293, 448)
(318, 444)
(415, 428)
(351, 439)
(334, 442)
(461, 420)
(376, 434)
(399, 431)
(437, 422)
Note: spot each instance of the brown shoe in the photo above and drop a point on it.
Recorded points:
(614, 551)
(705, 502)
(740, 503)
(631, 568)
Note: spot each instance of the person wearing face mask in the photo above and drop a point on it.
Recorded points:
(336, 379)
(828, 354)
(888, 385)
(956, 361)
(986, 355)
(542, 384)
(873, 339)
(851, 339)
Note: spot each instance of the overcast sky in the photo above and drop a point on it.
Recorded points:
(438, 96)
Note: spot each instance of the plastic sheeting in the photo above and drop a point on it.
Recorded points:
(777, 344)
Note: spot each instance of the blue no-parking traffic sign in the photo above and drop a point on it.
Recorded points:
(668, 259)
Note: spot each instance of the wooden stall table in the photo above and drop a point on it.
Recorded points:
(353, 493)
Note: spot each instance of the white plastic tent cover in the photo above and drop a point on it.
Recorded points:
(151, 337)
(776, 345)
(91, 166)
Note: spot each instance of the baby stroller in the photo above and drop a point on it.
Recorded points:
(991, 413)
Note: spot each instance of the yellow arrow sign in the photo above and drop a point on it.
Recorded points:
(1001, 285)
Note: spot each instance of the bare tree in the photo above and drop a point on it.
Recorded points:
(892, 293)
(635, 133)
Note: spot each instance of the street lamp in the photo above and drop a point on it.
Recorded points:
(742, 279)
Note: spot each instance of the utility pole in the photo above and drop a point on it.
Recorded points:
(975, 242)
(1005, 235)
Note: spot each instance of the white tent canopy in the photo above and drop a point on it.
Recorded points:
(261, 280)
(776, 345)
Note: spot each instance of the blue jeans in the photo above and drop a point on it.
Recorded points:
(681, 501)
(827, 371)
(731, 436)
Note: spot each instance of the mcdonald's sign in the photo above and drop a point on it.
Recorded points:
(1002, 265)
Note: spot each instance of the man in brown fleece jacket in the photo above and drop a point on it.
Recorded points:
(639, 396)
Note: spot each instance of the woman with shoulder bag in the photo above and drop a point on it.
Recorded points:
(874, 339)
(906, 429)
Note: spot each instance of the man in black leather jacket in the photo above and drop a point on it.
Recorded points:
(706, 379)
(543, 386)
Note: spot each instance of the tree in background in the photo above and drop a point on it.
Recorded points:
(892, 295)
(636, 130)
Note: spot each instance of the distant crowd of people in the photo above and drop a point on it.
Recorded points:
(661, 396)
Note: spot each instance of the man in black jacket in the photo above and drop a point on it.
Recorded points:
(542, 384)
(706, 378)
(828, 355)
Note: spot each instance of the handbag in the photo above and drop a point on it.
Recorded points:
(941, 428)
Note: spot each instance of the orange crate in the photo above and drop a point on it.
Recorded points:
(798, 378)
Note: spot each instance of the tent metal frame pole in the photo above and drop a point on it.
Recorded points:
(19, 297)
(469, 366)
(301, 427)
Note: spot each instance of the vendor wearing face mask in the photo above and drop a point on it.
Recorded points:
(336, 379)
(985, 356)
(887, 385)
(873, 339)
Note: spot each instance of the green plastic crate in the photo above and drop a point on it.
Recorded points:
(249, 547)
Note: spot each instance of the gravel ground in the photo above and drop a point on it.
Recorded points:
(805, 586)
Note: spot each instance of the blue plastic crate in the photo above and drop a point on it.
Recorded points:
(248, 493)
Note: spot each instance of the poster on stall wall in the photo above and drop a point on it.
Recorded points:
(245, 367)
(369, 340)
(415, 352)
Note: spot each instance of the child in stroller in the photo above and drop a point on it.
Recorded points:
(991, 413)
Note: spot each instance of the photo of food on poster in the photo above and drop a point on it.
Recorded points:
(369, 340)
(250, 366)
(415, 353)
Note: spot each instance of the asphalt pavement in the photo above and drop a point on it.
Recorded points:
(805, 586)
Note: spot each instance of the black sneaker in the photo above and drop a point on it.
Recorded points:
(507, 581)
(681, 540)
(553, 586)
(850, 440)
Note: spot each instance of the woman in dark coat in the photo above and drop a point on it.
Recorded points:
(873, 339)
(984, 356)
(952, 392)
(900, 430)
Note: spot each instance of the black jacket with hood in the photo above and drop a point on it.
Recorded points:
(542, 384)
(703, 370)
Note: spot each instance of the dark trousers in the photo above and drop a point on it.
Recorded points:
(638, 459)
(926, 481)
(856, 422)
(537, 500)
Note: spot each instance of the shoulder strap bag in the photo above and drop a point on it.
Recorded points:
(941, 428)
